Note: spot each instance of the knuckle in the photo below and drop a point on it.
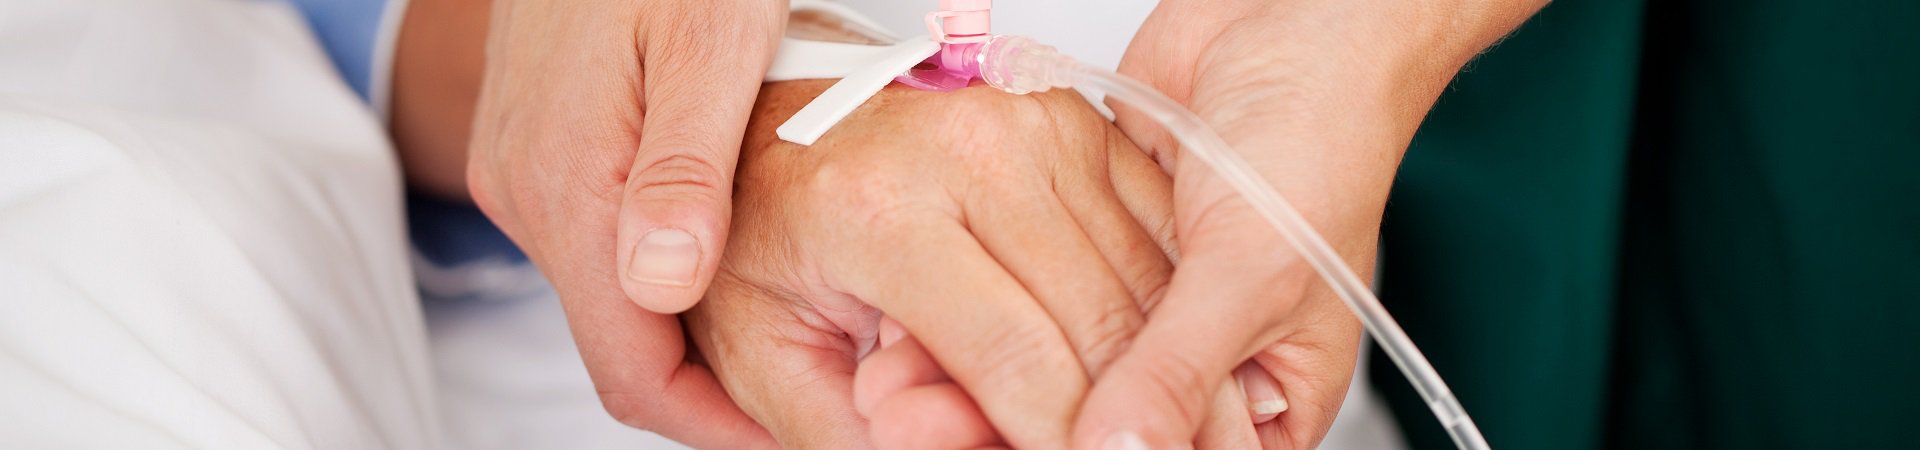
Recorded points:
(889, 223)
(864, 194)
(677, 174)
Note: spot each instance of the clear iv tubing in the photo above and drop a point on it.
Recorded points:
(1019, 65)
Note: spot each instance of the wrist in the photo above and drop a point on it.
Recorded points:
(1322, 96)
(437, 65)
(1362, 62)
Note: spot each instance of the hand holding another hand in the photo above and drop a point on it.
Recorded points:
(1015, 237)
(1018, 240)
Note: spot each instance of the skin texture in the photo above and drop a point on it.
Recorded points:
(1025, 239)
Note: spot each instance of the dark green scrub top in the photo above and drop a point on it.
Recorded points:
(1671, 224)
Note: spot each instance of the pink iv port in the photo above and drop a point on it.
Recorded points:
(961, 27)
(953, 68)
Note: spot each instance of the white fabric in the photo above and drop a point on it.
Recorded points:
(201, 247)
(200, 237)
(511, 378)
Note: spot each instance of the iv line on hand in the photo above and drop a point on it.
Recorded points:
(1019, 65)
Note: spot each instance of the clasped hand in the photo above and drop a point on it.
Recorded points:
(1016, 247)
(1014, 254)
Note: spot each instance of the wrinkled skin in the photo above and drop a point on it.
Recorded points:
(1025, 239)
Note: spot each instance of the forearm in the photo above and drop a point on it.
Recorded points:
(436, 81)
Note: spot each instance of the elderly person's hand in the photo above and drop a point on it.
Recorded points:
(604, 144)
(1015, 236)
(1322, 97)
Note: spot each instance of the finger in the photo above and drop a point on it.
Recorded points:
(974, 318)
(1045, 248)
(1145, 190)
(1264, 400)
(1153, 138)
(938, 416)
(900, 365)
(1158, 391)
(697, 93)
(792, 371)
(1116, 232)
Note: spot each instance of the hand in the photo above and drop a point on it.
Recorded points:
(1010, 234)
(604, 144)
(1322, 97)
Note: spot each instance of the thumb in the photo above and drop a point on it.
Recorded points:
(1219, 308)
(1159, 395)
(678, 203)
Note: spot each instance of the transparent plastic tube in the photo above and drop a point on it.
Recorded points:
(1019, 65)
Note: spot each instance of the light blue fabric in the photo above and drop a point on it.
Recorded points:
(348, 30)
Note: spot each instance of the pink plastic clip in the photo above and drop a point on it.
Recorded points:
(953, 68)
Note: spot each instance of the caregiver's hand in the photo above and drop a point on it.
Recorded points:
(604, 144)
(1322, 96)
(1010, 234)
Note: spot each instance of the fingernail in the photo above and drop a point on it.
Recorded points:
(1275, 406)
(1125, 440)
(666, 257)
(890, 331)
(1263, 398)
